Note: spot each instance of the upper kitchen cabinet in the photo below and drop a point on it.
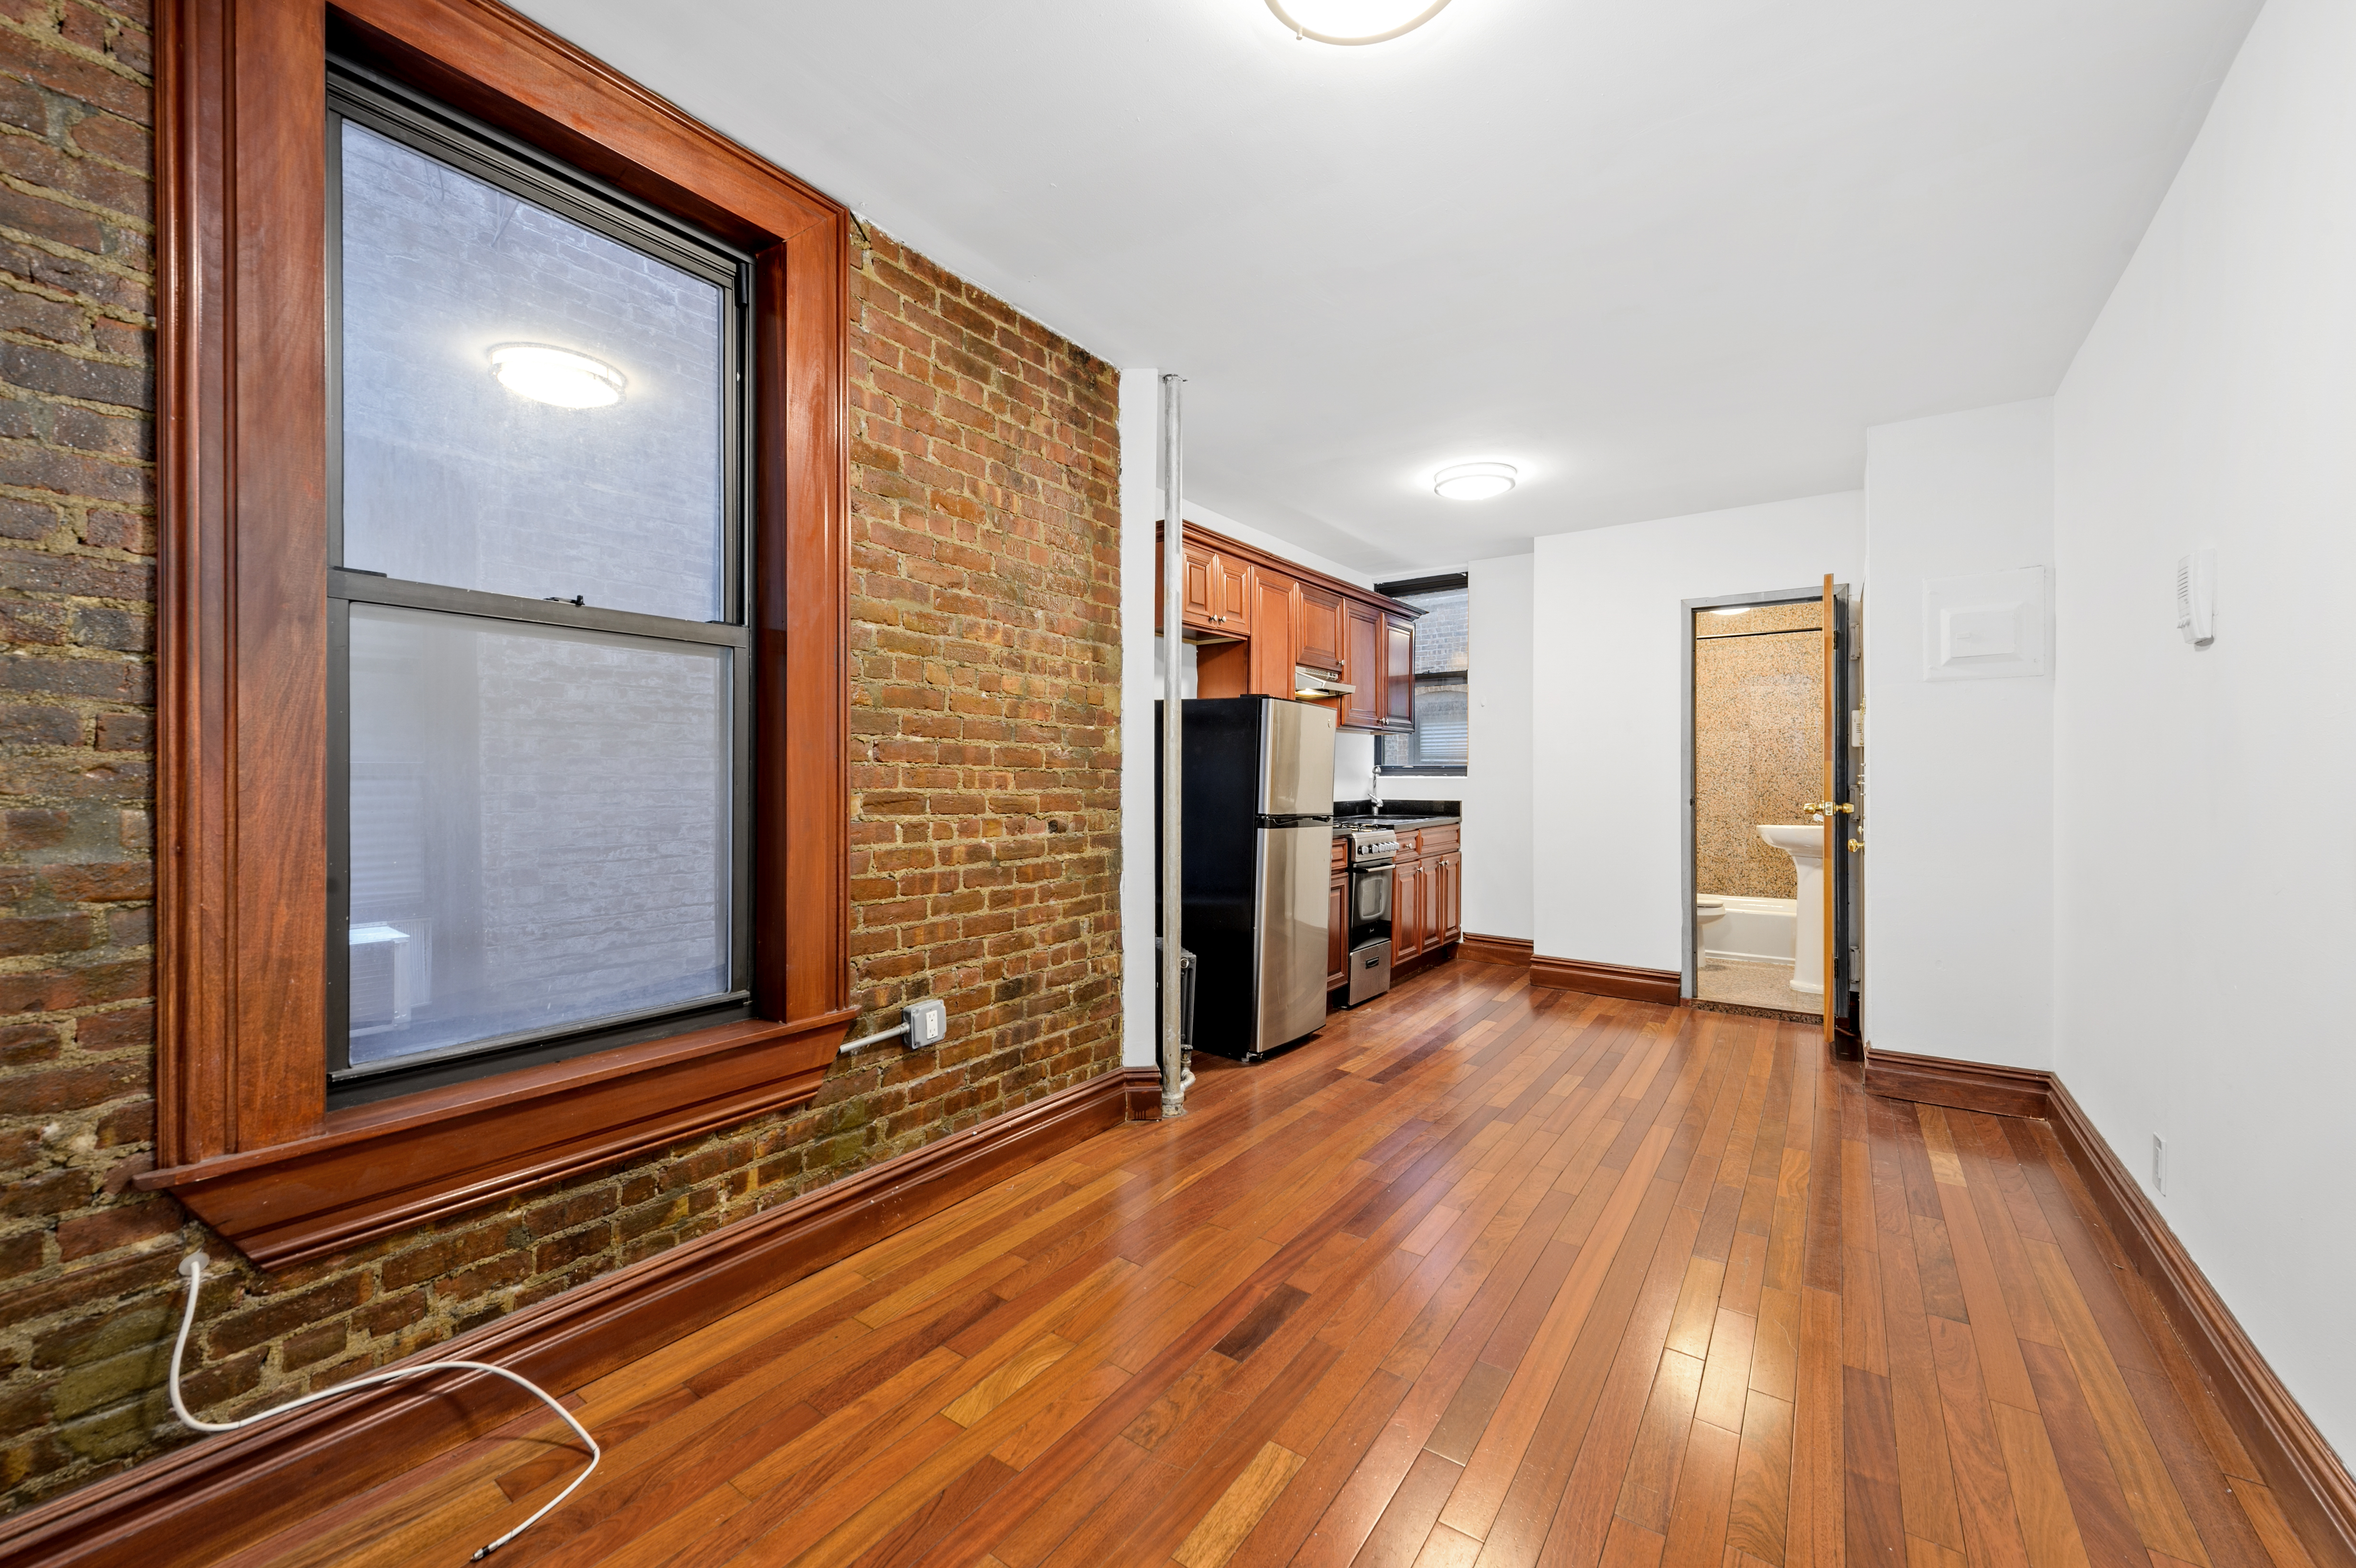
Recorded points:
(1258, 619)
(1318, 629)
(1275, 602)
(1216, 592)
(1362, 665)
(1399, 672)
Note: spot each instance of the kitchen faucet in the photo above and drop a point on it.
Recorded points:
(1376, 789)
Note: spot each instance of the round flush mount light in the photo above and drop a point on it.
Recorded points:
(559, 376)
(1474, 481)
(1353, 21)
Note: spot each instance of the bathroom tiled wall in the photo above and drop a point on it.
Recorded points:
(1758, 742)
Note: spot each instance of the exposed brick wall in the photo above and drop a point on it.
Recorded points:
(985, 778)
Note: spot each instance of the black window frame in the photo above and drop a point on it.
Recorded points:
(394, 109)
(1460, 678)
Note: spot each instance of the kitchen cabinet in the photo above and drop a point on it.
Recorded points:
(1275, 602)
(1337, 931)
(1407, 909)
(1362, 667)
(1255, 617)
(1399, 672)
(1447, 899)
(1318, 629)
(1215, 590)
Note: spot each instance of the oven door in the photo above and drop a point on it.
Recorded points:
(1370, 903)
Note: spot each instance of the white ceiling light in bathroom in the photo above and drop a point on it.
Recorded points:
(1353, 21)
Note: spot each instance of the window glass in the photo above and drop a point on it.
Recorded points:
(1443, 634)
(540, 828)
(465, 311)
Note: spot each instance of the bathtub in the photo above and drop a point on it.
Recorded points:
(1757, 929)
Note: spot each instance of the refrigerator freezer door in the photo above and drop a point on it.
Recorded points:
(1296, 760)
(1295, 870)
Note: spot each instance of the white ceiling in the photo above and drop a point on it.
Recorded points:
(1666, 255)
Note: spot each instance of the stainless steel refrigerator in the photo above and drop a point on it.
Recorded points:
(1257, 814)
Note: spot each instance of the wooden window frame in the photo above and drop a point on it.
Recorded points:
(244, 1137)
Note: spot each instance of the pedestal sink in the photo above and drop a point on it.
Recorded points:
(1805, 842)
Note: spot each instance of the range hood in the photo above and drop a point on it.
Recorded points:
(1307, 682)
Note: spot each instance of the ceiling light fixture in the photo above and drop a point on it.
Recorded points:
(1353, 21)
(558, 376)
(1474, 481)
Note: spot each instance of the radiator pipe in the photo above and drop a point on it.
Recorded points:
(1173, 582)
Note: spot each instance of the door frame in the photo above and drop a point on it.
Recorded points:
(1836, 886)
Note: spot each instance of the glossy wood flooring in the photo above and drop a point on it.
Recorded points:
(1482, 1276)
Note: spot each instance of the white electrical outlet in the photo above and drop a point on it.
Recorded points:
(2159, 1165)
(927, 1021)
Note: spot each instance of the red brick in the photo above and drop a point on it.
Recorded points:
(121, 1226)
(101, 882)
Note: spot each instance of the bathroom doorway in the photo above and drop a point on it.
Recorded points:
(1767, 731)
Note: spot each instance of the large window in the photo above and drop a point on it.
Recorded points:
(523, 850)
(1444, 641)
(538, 644)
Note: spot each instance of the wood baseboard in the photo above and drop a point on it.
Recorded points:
(199, 1503)
(1963, 1085)
(2299, 1465)
(1514, 950)
(1140, 1094)
(1622, 980)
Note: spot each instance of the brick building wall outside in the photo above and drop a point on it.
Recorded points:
(985, 772)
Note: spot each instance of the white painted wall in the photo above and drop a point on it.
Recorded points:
(1496, 788)
(1958, 908)
(1607, 749)
(1141, 685)
(2204, 843)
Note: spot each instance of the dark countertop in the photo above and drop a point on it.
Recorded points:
(1351, 815)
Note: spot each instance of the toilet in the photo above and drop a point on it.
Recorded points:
(1706, 911)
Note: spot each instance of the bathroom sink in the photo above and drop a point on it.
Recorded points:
(1807, 838)
(1805, 842)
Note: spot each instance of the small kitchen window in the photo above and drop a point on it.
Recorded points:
(1437, 746)
(540, 706)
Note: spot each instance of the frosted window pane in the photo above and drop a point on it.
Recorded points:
(539, 827)
(451, 477)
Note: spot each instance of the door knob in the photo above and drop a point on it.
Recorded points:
(1855, 845)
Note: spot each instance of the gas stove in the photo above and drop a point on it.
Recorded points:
(1372, 846)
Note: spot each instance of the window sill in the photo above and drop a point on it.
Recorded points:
(377, 1170)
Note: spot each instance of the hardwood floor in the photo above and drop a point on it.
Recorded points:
(1482, 1276)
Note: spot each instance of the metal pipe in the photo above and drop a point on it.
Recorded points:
(851, 1045)
(1173, 581)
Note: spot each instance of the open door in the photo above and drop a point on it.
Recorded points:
(1839, 811)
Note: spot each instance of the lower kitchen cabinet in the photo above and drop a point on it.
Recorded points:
(1447, 923)
(1337, 931)
(1407, 909)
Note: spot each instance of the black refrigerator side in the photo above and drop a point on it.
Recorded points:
(1219, 870)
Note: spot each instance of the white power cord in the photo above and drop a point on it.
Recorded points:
(192, 1269)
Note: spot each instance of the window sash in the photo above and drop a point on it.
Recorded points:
(433, 129)
(1403, 753)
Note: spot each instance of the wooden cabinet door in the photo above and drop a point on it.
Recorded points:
(1337, 933)
(1317, 641)
(1272, 620)
(1194, 590)
(1231, 596)
(1399, 672)
(1406, 910)
(1362, 665)
(1447, 898)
